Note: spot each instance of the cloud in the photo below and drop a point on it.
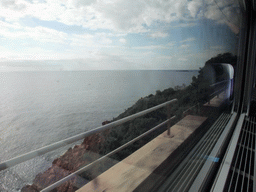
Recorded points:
(182, 59)
(214, 13)
(90, 40)
(102, 25)
(158, 34)
(165, 57)
(44, 43)
(82, 3)
(122, 40)
(46, 35)
(152, 47)
(223, 12)
(13, 5)
(123, 15)
(119, 16)
(195, 7)
(184, 46)
(188, 40)
(170, 44)
(39, 34)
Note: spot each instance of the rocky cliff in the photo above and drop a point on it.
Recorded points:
(72, 160)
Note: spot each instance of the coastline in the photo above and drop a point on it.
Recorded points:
(99, 144)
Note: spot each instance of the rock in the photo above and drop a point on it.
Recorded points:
(106, 122)
(29, 188)
(72, 160)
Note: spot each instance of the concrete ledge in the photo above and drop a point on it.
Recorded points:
(130, 173)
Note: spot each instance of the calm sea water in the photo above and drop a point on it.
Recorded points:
(39, 108)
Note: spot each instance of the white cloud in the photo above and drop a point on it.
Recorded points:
(24, 42)
(214, 13)
(158, 34)
(165, 57)
(184, 46)
(82, 3)
(152, 47)
(188, 40)
(13, 4)
(44, 34)
(39, 34)
(122, 40)
(194, 7)
(90, 41)
(122, 15)
(183, 25)
(182, 59)
(170, 44)
(223, 12)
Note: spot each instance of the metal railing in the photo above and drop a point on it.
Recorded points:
(72, 175)
(62, 143)
(187, 111)
(51, 147)
(212, 95)
(217, 93)
(220, 82)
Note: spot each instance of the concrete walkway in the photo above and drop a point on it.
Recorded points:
(128, 174)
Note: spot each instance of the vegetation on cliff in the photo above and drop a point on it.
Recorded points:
(198, 92)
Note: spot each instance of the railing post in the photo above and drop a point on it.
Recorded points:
(168, 117)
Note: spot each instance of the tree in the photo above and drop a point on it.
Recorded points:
(223, 58)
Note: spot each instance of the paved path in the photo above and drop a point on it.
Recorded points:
(128, 174)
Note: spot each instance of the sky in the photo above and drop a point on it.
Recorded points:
(76, 35)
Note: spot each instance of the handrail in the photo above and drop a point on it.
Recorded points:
(220, 82)
(72, 175)
(51, 147)
(58, 183)
(218, 91)
(214, 93)
(190, 108)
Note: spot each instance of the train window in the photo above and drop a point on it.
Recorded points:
(73, 72)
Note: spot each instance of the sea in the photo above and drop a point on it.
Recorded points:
(40, 108)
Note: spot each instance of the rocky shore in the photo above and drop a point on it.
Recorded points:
(69, 162)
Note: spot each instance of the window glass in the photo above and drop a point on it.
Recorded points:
(67, 67)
